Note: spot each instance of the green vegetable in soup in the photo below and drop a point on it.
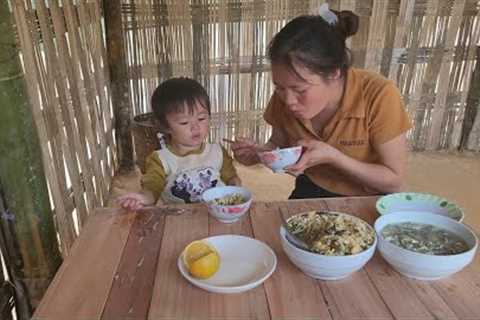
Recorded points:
(424, 238)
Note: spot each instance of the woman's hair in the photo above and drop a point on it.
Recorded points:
(176, 94)
(315, 44)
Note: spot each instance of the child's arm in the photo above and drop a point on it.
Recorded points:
(136, 200)
(228, 173)
(153, 183)
(234, 181)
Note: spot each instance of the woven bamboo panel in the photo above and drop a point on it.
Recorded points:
(426, 46)
(62, 49)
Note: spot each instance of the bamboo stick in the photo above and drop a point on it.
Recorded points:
(21, 170)
(119, 83)
(471, 125)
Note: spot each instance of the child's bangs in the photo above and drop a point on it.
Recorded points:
(190, 104)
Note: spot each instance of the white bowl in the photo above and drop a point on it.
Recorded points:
(415, 201)
(278, 159)
(423, 266)
(227, 213)
(325, 267)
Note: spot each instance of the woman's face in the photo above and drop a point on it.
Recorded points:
(309, 96)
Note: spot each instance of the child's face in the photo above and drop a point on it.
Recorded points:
(188, 130)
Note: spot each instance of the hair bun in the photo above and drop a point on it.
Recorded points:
(348, 22)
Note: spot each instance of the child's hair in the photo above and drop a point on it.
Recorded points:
(176, 95)
(315, 44)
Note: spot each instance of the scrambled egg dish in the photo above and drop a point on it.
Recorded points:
(332, 234)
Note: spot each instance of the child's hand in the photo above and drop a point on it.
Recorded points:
(133, 201)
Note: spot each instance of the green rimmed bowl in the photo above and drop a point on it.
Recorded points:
(414, 201)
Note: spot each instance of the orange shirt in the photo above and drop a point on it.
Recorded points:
(370, 113)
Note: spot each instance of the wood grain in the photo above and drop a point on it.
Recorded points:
(133, 282)
(461, 291)
(249, 305)
(290, 293)
(138, 277)
(173, 296)
(82, 284)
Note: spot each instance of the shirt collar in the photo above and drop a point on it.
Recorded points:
(175, 152)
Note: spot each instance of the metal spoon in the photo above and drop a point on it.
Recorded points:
(292, 238)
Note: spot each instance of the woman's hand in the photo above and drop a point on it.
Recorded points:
(245, 151)
(387, 175)
(314, 153)
(134, 201)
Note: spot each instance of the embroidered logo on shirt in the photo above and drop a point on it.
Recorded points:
(352, 143)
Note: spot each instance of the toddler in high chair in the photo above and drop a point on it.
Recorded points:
(186, 165)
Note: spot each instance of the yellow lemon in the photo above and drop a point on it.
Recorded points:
(206, 266)
(201, 259)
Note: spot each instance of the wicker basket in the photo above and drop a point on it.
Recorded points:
(145, 137)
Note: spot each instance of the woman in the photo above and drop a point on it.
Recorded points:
(352, 123)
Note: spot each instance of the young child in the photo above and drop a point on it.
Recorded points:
(187, 165)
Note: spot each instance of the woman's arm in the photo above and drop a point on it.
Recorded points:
(234, 181)
(389, 175)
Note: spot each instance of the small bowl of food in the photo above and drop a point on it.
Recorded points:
(424, 245)
(278, 159)
(415, 201)
(338, 243)
(227, 203)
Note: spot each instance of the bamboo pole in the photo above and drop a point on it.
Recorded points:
(122, 106)
(21, 170)
(471, 124)
(15, 287)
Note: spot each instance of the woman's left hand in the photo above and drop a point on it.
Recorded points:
(314, 152)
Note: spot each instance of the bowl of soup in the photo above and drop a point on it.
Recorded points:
(227, 203)
(424, 245)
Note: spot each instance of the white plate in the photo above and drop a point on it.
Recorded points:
(244, 264)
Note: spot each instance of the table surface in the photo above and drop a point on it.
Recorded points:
(124, 266)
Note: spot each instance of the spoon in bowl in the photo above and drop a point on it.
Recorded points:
(292, 238)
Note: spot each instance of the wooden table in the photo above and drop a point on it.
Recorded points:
(124, 266)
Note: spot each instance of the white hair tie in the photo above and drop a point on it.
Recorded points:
(161, 140)
(327, 14)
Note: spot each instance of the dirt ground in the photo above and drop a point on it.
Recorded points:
(452, 176)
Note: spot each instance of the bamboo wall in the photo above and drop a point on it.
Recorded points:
(426, 46)
(63, 54)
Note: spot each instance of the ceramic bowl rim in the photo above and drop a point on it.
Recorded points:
(249, 199)
(383, 211)
(279, 150)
